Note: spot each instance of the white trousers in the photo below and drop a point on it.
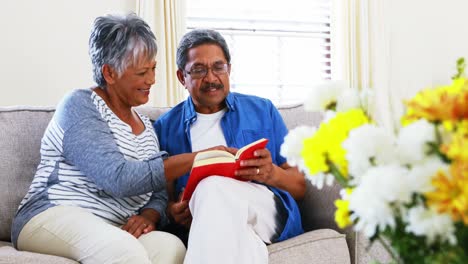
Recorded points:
(77, 234)
(232, 221)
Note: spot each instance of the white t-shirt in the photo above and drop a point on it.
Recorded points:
(206, 132)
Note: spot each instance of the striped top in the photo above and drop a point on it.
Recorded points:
(91, 159)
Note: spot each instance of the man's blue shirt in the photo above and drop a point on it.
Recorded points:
(247, 119)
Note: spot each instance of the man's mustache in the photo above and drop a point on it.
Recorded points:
(209, 85)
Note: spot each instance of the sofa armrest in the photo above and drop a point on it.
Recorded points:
(318, 212)
(319, 246)
(366, 253)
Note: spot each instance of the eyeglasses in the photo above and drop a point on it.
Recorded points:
(199, 72)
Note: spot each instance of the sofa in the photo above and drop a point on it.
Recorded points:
(21, 130)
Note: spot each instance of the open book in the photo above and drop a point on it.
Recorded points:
(220, 163)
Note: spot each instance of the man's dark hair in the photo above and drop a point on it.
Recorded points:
(199, 37)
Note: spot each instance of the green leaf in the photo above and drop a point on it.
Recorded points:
(460, 69)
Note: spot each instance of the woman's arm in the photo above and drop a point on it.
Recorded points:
(178, 165)
(90, 146)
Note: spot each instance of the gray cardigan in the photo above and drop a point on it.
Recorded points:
(93, 157)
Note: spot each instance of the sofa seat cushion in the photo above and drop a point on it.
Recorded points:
(318, 246)
(10, 255)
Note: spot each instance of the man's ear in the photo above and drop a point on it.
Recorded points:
(181, 77)
(109, 74)
(229, 68)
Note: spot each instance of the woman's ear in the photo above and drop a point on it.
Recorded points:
(109, 74)
(181, 77)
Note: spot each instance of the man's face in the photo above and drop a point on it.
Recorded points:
(207, 91)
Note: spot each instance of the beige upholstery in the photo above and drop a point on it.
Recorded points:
(10, 255)
(21, 130)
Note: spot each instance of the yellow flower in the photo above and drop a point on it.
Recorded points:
(451, 192)
(456, 150)
(342, 213)
(314, 155)
(439, 104)
(325, 145)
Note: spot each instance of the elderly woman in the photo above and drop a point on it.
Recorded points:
(98, 195)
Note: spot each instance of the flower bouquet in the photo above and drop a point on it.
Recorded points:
(409, 190)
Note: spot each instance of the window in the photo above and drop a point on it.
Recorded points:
(279, 49)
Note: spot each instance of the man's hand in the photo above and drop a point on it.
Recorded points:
(260, 169)
(179, 212)
(140, 224)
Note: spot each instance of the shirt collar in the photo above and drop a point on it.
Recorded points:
(230, 102)
(190, 114)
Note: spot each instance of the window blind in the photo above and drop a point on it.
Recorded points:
(279, 49)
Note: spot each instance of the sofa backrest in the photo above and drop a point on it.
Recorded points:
(21, 130)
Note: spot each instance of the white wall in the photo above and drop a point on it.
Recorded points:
(426, 39)
(44, 47)
(420, 43)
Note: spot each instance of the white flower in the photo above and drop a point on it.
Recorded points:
(293, 144)
(367, 146)
(319, 179)
(329, 114)
(323, 95)
(420, 175)
(373, 199)
(344, 194)
(348, 99)
(413, 139)
(429, 223)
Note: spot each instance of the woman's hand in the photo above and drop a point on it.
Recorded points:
(143, 223)
(233, 151)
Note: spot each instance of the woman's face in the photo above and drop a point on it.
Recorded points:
(133, 87)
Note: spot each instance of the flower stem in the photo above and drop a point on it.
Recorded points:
(338, 176)
(389, 250)
(435, 146)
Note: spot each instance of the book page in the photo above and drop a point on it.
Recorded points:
(261, 143)
(214, 160)
(212, 154)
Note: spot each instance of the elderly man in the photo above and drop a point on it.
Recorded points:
(230, 221)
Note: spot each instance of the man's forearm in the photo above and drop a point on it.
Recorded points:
(290, 179)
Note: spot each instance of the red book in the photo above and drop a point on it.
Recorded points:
(219, 163)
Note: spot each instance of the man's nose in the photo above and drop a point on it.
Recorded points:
(210, 76)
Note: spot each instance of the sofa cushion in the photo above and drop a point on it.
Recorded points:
(319, 246)
(20, 139)
(12, 256)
